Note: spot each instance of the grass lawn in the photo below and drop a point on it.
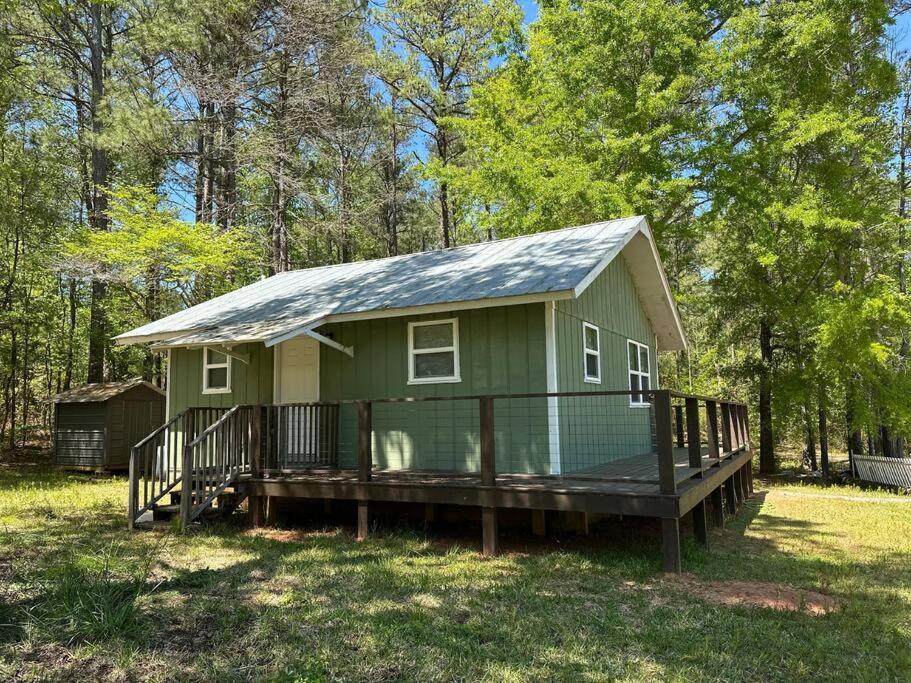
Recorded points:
(81, 598)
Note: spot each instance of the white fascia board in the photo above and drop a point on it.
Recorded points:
(127, 339)
(610, 256)
(642, 227)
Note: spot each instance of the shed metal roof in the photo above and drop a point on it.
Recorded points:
(544, 266)
(101, 391)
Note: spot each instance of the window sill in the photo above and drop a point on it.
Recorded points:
(206, 392)
(436, 380)
(640, 405)
(591, 380)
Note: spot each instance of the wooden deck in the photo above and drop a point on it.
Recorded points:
(702, 453)
(629, 486)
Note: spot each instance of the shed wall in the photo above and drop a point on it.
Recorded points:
(79, 439)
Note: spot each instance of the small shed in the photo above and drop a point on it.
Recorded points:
(96, 425)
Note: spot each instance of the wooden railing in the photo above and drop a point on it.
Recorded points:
(201, 451)
(301, 435)
(214, 459)
(708, 426)
(156, 462)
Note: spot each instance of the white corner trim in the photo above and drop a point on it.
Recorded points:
(167, 393)
(553, 407)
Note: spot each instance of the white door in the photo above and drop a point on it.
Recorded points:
(297, 375)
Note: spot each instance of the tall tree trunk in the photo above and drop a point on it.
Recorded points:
(810, 430)
(767, 463)
(823, 433)
(70, 336)
(100, 50)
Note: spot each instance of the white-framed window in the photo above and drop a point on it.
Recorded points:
(433, 352)
(639, 369)
(216, 372)
(591, 353)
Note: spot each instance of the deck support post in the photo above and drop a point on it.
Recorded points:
(729, 495)
(700, 524)
(538, 522)
(744, 487)
(489, 531)
(670, 533)
(363, 520)
(271, 510)
(579, 521)
(430, 514)
(257, 510)
(717, 508)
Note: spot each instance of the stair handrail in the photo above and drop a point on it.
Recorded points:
(133, 511)
(189, 507)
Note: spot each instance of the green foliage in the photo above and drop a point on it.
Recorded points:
(150, 249)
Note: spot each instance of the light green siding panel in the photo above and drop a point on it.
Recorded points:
(502, 350)
(601, 429)
(249, 383)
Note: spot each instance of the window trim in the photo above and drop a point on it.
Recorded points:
(412, 352)
(206, 366)
(586, 352)
(642, 403)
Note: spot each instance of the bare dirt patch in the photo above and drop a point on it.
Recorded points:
(768, 595)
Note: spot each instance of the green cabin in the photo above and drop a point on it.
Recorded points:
(578, 310)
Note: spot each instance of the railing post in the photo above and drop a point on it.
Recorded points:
(134, 490)
(711, 428)
(693, 434)
(726, 427)
(364, 462)
(364, 440)
(488, 447)
(489, 528)
(256, 417)
(666, 480)
(186, 483)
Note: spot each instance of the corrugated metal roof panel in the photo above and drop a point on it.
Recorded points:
(543, 263)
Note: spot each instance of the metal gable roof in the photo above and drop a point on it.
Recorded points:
(545, 265)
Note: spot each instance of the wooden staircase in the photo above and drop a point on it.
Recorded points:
(193, 462)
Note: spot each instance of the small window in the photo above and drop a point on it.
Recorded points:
(639, 373)
(433, 352)
(216, 372)
(591, 343)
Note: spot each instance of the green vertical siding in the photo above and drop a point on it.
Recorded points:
(502, 350)
(249, 383)
(598, 430)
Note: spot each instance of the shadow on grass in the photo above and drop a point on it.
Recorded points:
(232, 603)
